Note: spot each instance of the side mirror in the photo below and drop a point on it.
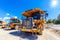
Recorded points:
(46, 15)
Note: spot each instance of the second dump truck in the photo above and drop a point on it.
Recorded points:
(14, 22)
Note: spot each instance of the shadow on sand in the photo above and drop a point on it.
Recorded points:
(23, 35)
(8, 29)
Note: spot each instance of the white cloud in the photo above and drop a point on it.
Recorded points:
(54, 3)
(0, 18)
(7, 14)
(15, 16)
(6, 18)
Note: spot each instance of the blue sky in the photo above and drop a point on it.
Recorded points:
(14, 8)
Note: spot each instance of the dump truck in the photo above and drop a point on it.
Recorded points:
(33, 21)
(14, 23)
(3, 24)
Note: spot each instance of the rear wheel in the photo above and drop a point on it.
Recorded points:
(40, 33)
(16, 27)
(12, 28)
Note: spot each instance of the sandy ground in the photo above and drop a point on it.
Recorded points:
(54, 29)
(15, 35)
(4, 35)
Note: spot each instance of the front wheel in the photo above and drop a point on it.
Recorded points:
(40, 33)
(16, 27)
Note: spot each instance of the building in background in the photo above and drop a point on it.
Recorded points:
(58, 17)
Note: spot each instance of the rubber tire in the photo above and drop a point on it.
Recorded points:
(40, 33)
(12, 28)
(16, 27)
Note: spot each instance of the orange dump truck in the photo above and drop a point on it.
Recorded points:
(14, 22)
(33, 21)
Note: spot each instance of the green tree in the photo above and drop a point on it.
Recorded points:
(57, 22)
(49, 21)
(54, 20)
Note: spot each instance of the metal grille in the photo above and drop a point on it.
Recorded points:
(27, 23)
